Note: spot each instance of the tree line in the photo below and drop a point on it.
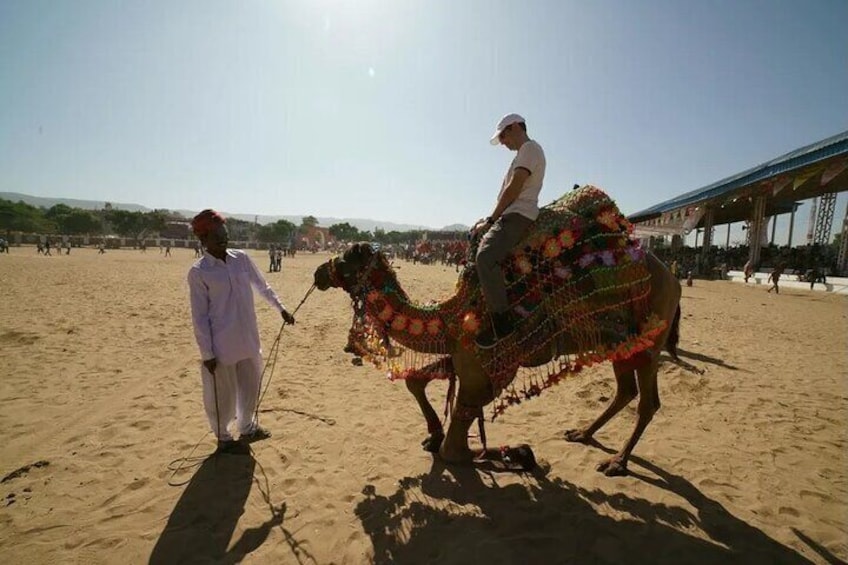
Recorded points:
(62, 219)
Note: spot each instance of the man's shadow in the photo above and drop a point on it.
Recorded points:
(451, 515)
(205, 517)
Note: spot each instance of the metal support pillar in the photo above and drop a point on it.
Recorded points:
(709, 218)
(792, 223)
(755, 230)
(773, 228)
(812, 225)
(824, 219)
(842, 257)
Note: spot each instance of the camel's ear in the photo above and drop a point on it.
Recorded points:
(359, 253)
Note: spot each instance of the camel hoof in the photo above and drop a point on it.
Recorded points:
(614, 467)
(577, 436)
(433, 442)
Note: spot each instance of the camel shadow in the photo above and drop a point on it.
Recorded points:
(205, 517)
(699, 357)
(451, 515)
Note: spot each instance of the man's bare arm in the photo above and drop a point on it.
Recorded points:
(512, 192)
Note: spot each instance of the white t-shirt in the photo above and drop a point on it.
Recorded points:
(531, 157)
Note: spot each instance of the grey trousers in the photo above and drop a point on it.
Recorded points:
(498, 242)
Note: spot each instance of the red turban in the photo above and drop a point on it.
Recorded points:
(206, 222)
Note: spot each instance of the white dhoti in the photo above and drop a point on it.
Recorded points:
(237, 389)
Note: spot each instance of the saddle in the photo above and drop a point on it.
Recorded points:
(578, 285)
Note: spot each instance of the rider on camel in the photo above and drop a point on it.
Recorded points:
(516, 209)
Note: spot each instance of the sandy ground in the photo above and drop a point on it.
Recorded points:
(746, 461)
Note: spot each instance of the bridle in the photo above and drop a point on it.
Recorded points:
(361, 280)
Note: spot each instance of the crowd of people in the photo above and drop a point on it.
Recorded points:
(804, 261)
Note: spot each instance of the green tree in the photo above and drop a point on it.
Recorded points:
(58, 211)
(308, 222)
(278, 232)
(79, 222)
(156, 221)
(345, 232)
(136, 225)
(19, 216)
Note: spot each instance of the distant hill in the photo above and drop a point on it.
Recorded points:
(456, 227)
(359, 223)
(72, 202)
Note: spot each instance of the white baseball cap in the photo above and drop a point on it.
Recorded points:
(505, 122)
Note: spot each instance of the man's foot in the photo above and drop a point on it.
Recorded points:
(259, 433)
(502, 326)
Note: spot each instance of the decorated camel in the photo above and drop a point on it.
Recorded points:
(584, 292)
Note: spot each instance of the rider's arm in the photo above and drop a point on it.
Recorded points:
(513, 190)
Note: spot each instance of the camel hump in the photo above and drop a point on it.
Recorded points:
(578, 285)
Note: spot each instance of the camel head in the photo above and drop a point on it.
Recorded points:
(350, 269)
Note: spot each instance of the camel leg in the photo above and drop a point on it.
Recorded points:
(434, 426)
(625, 391)
(455, 447)
(648, 405)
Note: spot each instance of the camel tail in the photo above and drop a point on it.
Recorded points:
(674, 336)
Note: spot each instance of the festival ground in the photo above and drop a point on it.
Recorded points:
(745, 462)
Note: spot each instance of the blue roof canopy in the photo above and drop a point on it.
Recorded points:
(825, 149)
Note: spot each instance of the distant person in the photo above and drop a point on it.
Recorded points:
(47, 248)
(68, 248)
(675, 269)
(516, 209)
(197, 253)
(221, 285)
(279, 260)
(272, 258)
(4, 245)
(774, 277)
(816, 275)
(748, 270)
(167, 250)
(101, 249)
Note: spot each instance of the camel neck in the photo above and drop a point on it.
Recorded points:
(426, 329)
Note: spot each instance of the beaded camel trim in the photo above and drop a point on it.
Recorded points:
(578, 284)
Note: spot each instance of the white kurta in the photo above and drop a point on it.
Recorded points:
(224, 319)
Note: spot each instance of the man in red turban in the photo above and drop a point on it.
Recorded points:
(206, 222)
(221, 285)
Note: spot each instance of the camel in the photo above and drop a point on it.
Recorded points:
(440, 333)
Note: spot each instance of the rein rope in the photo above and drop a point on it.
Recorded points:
(274, 352)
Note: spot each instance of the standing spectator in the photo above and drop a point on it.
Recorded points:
(774, 277)
(748, 270)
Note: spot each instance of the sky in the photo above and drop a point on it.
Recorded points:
(383, 109)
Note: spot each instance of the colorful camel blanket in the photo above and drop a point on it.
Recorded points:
(578, 284)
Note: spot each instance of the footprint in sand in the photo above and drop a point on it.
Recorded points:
(814, 494)
(24, 470)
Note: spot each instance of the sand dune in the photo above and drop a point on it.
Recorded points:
(745, 462)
